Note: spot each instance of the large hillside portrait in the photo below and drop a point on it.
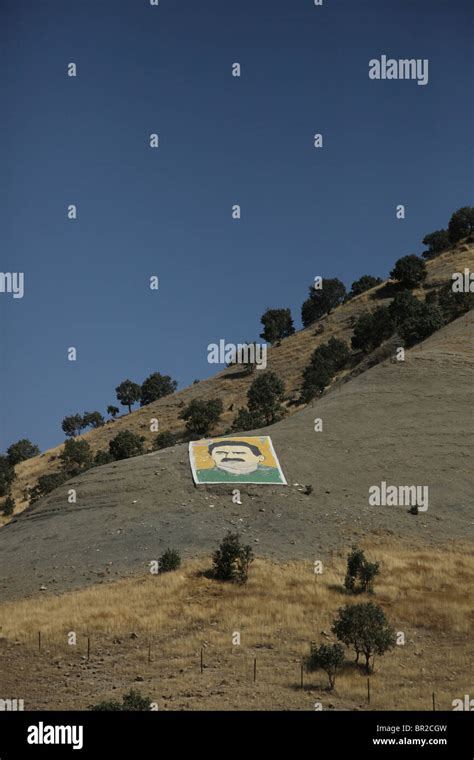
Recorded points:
(235, 460)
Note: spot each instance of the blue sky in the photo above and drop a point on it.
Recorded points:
(223, 140)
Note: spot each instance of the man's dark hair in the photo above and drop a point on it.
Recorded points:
(227, 442)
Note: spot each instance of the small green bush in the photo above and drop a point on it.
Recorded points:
(126, 444)
(232, 560)
(131, 702)
(164, 440)
(170, 560)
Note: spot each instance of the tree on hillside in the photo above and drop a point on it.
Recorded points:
(372, 328)
(126, 444)
(265, 395)
(113, 411)
(366, 629)
(8, 506)
(366, 282)
(202, 416)
(410, 271)
(277, 324)
(335, 352)
(461, 224)
(21, 450)
(164, 440)
(437, 242)
(72, 425)
(156, 386)
(46, 484)
(76, 457)
(246, 420)
(7, 475)
(316, 377)
(102, 457)
(422, 324)
(403, 306)
(325, 361)
(92, 419)
(453, 305)
(327, 657)
(322, 300)
(128, 393)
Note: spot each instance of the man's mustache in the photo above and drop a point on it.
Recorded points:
(230, 459)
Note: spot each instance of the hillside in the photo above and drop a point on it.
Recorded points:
(424, 592)
(287, 360)
(403, 422)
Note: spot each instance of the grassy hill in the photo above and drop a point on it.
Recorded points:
(425, 593)
(287, 360)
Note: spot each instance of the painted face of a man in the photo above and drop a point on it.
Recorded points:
(238, 460)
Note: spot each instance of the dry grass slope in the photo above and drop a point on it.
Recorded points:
(425, 594)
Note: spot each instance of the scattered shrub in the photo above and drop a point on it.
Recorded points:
(164, 440)
(128, 393)
(327, 657)
(366, 282)
(170, 560)
(21, 450)
(7, 475)
(410, 271)
(246, 420)
(9, 506)
(322, 300)
(126, 444)
(76, 457)
(437, 242)
(92, 419)
(46, 484)
(156, 386)
(131, 702)
(421, 325)
(265, 395)
(72, 425)
(453, 305)
(103, 457)
(372, 328)
(202, 416)
(360, 573)
(277, 324)
(231, 561)
(366, 629)
(461, 223)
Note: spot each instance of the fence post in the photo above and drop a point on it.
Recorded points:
(368, 690)
(202, 666)
(255, 669)
(39, 641)
(302, 671)
(149, 651)
(434, 702)
(88, 647)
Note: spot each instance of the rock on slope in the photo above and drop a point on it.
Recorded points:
(407, 423)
